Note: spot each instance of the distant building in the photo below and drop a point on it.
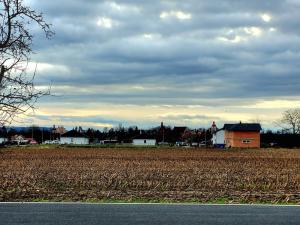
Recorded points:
(59, 130)
(3, 139)
(108, 142)
(144, 140)
(75, 138)
(240, 135)
(19, 139)
(31, 141)
(218, 139)
(218, 136)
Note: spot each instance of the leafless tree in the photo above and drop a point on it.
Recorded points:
(290, 121)
(17, 90)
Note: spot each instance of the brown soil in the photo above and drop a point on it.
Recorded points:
(177, 175)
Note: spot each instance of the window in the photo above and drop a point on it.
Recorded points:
(145, 141)
(246, 141)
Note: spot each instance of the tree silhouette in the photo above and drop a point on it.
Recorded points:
(17, 90)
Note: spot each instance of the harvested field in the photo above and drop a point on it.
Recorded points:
(176, 175)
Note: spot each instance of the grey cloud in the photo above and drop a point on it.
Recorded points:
(86, 119)
(184, 55)
(183, 117)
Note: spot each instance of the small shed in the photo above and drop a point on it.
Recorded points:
(144, 140)
(74, 137)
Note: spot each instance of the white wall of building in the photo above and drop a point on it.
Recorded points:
(144, 142)
(219, 137)
(74, 141)
(2, 140)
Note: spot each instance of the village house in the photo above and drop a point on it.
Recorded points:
(19, 139)
(144, 140)
(60, 130)
(74, 137)
(240, 135)
(3, 139)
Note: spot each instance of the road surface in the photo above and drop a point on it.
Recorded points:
(133, 214)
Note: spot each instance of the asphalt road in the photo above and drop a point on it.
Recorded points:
(123, 214)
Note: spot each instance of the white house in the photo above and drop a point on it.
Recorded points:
(74, 137)
(144, 140)
(3, 140)
(219, 138)
(19, 139)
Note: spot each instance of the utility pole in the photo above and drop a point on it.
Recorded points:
(42, 135)
(205, 137)
(32, 132)
(163, 131)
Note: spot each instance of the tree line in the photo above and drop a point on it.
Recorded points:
(162, 134)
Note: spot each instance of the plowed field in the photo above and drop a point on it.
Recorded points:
(176, 175)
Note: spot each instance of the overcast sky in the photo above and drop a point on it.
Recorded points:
(186, 62)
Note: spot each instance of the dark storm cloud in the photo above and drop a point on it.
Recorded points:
(195, 49)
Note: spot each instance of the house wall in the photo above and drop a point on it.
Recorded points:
(144, 142)
(219, 137)
(242, 139)
(74, 141)
(2, 140)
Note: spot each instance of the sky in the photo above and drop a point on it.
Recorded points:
(186, 63)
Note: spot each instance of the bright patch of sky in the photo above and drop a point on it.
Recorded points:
(266, 17)
(176, 14)
(254, 31)
(106, 22)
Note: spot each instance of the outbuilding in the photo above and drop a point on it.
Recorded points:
(74, 137)
(144, 140)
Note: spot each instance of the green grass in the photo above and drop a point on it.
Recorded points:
(219, 201)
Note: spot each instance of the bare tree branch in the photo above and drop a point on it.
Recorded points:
(290, 121)
(18, 93)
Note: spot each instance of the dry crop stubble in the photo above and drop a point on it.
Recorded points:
(60, 174)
